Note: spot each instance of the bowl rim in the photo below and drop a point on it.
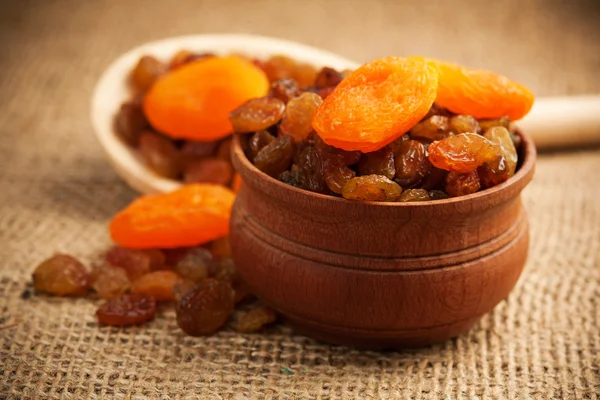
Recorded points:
(113, 80)
(485, 198)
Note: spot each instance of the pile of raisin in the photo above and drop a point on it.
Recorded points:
(192, 161)
(444, 155)
(201, 281)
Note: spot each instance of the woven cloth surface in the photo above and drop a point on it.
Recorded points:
(57, 193)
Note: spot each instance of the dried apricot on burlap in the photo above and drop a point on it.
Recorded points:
(194, 101)
(376, 104)
(480, 93)
(189, 216)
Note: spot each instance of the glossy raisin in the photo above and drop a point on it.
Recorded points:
(327, 77)
(411, 195)
(411, 163)
(304, 74)
(158, 284)
(160, 154)
(438, 195)
(460, 184)
(130, 122)
(436, 110)
(311, 167)
(297, 118)
(193, 150)
(127, 309)
(380, 162)
(336, 173)
(197, 264)
(61, 275)
(224, 150)
(257, 114)
(275, 157)
(486, 124)
(204, 309)
(221, 248)
(462, 153)
(183, 57)
(257, 141)
(434, 128)
(181, 288)
(255, 319)
(371, 188)
(109, 281)
(284, 90)
(135, 262)
(325, 92)
(146, 72)
(501, 137)
(279, 67)
(463, 124)
(208, 170)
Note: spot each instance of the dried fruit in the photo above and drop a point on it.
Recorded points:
(127, 309)
(204, 309)
(501, 137)
(135, 262)
(486, 124)
(196, 265)
(434, 128)
(257, 141)
(275, 157)
(193, 150)
(460, 184)
(146, 72)
(194, 101)
(130, 122)
(336, 173)
(158, 284)
(181, 288)
(371, 188)
(463, 124)
(109, 281)
(192, 215)
(284, 89)
(438, 195)
(328, 77)
(311, 166)
(410, 195)
(236, 184)
(376, 104)
(462, 153)
(298, 115)
(255, 319)
(380, 162)
(482, 94)
(183, 57)
(61, 275)
(221, 248)
(279, 67)
(257, 114)
(208, 170)
(411, 163)
(224, 150)
(304, 74)
(160, 154)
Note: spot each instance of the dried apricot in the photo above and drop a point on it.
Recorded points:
(371, 188)
(482, 94)
(236, 183)
(192, 215)
(61, 275)
(194, 101)
(158, 284)
(127, 309)
(205, 308)
(376, 104)
(257, 114)
(462, 153)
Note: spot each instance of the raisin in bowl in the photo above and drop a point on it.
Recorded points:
(379, 274)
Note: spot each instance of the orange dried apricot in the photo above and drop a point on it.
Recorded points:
(376, 104)
(189, 216)
(480, 93)
(194, 101)
(237, 183)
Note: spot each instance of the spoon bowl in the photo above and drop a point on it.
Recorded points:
(112, 90)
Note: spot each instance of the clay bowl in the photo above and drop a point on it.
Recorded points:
(379, 275)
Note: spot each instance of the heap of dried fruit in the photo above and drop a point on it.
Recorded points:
(396, 129)
(182, 254)
(178, 119)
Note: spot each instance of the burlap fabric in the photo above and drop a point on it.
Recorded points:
(57, 194)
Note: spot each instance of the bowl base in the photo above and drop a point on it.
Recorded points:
(381, 340)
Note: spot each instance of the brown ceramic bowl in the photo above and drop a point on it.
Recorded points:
(379, 275)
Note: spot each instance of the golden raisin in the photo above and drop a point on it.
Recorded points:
(158, 284)
(410, 195)
(297, 118)
(435, 127)
(61, 275)
(255, 319)
(257, 114)
(146, 72)
(371, 188)
(462, 153)
(109, 281)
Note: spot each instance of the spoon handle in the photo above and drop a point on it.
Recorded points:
(568, 121)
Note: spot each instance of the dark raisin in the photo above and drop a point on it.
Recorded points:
(205, 308)
(127, 309)
(275, 157)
